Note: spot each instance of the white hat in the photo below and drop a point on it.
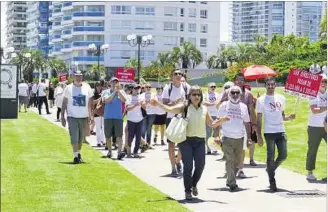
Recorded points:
(230, 84)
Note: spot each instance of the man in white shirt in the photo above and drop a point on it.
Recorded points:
(211, 99)
(316, 131)
(34, 98)
(78, 104)
(233, 132)
(173, 94)
(271, 106)
(23, 95)
(42, 96)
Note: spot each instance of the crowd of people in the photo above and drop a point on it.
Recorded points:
(234, 118)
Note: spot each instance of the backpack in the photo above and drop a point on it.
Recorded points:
(184, 88)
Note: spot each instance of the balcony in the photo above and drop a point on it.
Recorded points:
(88, 58)
(88, 29)
(56, 26)
(67, 20)
(56, 38)
(86, 43)
(66, 34)
(67, 47)
(89, 15)
(57, 13)
(67, 6)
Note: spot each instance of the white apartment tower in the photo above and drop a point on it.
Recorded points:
(16, 24)
(75, 25)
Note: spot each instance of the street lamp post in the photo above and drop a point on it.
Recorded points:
(98, 50)
(139, 40)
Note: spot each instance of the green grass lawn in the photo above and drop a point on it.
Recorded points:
(36, 174)
(297, 138)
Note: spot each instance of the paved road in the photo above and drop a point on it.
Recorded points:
(213, 195)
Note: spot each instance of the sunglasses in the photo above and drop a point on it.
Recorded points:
(213, 86)
(226, 87)
(177, 74)
(158, 89)
(324, 81)
(235, 93)
(148, 87)
(196, 94)
(137, 88)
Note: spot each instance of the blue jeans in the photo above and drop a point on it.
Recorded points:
(134, 130)
(147, 127)
(280, 140)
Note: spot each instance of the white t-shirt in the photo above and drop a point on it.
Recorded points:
(176, 93)
(238, 114)
(59, 96)
(158, 110)
(134, 115)
(212, 98)
(23, 89)
(78, 99)
(272, 107)
(34, 88)
(316, 120)
(151, 110)
(41, 88)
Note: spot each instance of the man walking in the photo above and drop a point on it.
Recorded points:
(113, 116)
(271, 106)
(23, 91)
(233, 132)
(173, 94)
(42, 96)
(316, 131)
(78, 104)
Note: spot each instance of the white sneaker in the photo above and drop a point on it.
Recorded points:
(311, 177)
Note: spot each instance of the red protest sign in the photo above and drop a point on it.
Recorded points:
(303, 83)
(125, 74)
(62, 77)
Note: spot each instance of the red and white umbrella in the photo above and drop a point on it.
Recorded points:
(256, 72)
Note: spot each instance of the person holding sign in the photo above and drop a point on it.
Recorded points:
(316, 131)
(271, 107)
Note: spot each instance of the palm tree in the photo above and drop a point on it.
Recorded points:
(57, 65)
(165, 58)
(187, 54)
(93, 70)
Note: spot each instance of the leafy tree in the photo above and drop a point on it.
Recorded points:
(57, 65)
(187, 54)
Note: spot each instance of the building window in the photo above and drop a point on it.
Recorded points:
(203, 2)
(203, 42)
(192, 27)
(95, 38)
(170, 41)
(181, 40)
(192, 13)
(117, 24)
(145, 25)
(203, 13)
(170, 26)
(192, 40)
(121, 9)
(203, 28)
(192, 2)
(181, 27)
(182, 12)
(95, 8)
(145, 55)
(145, 11)
(118, 39)
(170, 11)
(95, 23)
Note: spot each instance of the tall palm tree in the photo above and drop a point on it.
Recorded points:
(57, 65)
(187, 54)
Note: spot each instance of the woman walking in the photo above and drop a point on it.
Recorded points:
(193, 149)
(98, 108)
(51, 95)
(160, 118)
(59, 95)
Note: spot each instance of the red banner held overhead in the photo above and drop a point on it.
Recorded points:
(303, 83)
(125, 74)
(62, 77)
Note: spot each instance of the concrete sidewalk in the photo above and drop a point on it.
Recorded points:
(253, 195)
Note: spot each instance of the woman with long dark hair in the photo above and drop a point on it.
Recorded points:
(193, 148)
(98, 108)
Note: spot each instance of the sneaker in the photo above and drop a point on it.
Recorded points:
(188, 196)
(174, 173)
(311, 177)
(76, 160)
(273, 187)
(136, 155)
(120, 156)
(241, 175)
(106, 148)
(98, 145)
(252, 163)
(143, 148)
(179, 168)
(162, 143)
(48, 113)
(324, 180)
(92, 132)
(225, 175)
(233, 188)
(209, 152)
(195, 191)
(109, 155)
(80, 158)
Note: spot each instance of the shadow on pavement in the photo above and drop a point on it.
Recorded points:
(197, 200)
(161, 200)
(248, 177)
(269, 191)
(172, 176)
(227, 189)
(322, 181)
(71, 163)
(259, 166)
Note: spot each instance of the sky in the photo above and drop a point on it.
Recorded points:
(224, 24)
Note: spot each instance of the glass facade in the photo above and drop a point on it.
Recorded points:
(43, 29)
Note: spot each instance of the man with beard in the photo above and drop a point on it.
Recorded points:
(271, 106)
(247, 98)
(233, 132)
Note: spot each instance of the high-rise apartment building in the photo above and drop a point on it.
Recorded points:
(303, 18)
(75, 25)
(16, 24)
(252, 18)
(37, 27)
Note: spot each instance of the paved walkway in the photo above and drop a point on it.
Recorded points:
(213, 195)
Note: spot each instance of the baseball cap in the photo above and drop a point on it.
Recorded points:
(78, 73)
(114, 79)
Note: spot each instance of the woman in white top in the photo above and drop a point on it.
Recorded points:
(160, 117)
(193, 149)
(59, 95)
(135, 118)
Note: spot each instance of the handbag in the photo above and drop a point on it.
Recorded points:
(177, 129)
(99, 109)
